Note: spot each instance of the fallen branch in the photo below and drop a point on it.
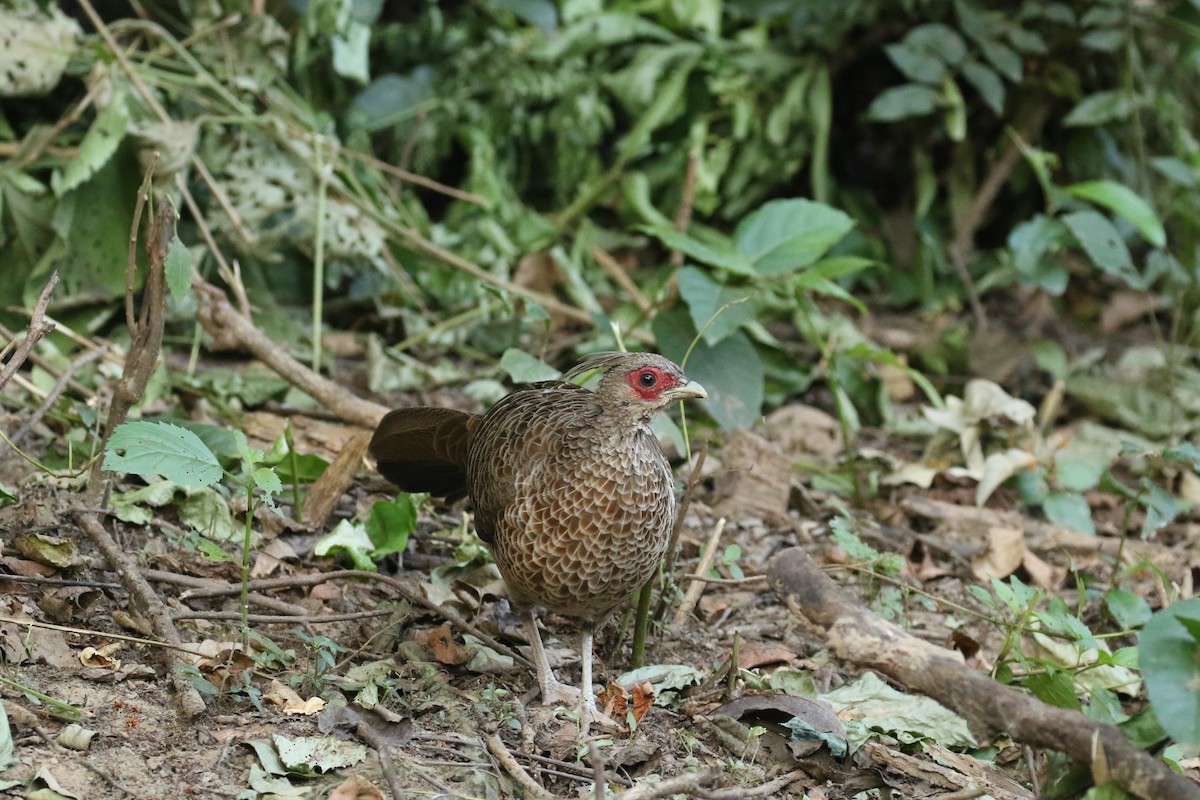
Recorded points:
(230, 328)
(148, 603)
(855, 634)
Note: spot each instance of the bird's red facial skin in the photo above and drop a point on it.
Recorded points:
(648, 383)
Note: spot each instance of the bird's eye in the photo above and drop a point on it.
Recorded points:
(648, 379)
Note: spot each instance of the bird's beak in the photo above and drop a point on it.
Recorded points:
(688, 389)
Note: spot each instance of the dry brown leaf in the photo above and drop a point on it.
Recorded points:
(356, 787)
(101, 658)
(441, 642)
(756, 654)
(1005, 553)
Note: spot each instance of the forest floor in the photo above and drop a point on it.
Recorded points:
(456, 715)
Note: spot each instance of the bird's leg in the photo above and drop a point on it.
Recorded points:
(585, 680)
(553, 692)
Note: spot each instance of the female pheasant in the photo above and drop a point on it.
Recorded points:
(569, 487)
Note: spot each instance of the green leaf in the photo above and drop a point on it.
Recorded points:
(524, 368)
(987, 83)
(1129, 609)
(1003, 58)
(1161, 507)
(730, 370)
(786, 235)
(1102, 242)
(726, 307)
(98, 146)
(250, 455)
(1122, 200)
(268, 481)
(725, 256)
(1186, 453)
(1055, 688)
(390, 523)
(350, 540)
(159, 448)
(7, 498)
(179, 269)
(902, 102)
(1169, 655)
(1099, 108)
(1070, 509)
(917, 65)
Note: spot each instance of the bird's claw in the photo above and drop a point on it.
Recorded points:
(562, 695)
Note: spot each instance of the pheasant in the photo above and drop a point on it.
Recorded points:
(569, 486)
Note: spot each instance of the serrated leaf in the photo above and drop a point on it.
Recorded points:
(250, 455)
(902, 102)
(266, 480)
(786, 235)
(179, 269)
(1122, 200)
(159, 448)
(98, 146)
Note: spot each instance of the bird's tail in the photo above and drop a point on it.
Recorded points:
(425, 450)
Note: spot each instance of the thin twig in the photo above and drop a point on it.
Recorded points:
(692, 596)
(60, 385)
(619, 276)
(39, 326)
(410, 594)
(280, 619)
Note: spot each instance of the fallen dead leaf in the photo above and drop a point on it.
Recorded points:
(356, 787)
(441, 642)
(1005, 553)
(289, 701)
(756, 654)
(101, 658)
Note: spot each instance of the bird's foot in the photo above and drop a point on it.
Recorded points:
(556, 694)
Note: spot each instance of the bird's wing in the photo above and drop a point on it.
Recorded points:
(425, 450)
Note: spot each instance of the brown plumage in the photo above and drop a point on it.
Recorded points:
(569, 487)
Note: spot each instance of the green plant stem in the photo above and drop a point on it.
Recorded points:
(318, 303)
(246, 566)
(641, 627)
(294, 461)
(66, 709)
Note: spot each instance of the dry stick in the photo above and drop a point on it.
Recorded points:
(280, 619)
(692, 596)
(690, 783)
(599, 782)
(224, 322)
(256, 599)
(143, 353)
(39, 326)
(687, 203)
(406, 591)
(59, 387)
(150, 605)
(855, 634)
(380, 744)
(689, 491)
(968, 224)
(497, 748)
(620, 277)
(29, 623)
